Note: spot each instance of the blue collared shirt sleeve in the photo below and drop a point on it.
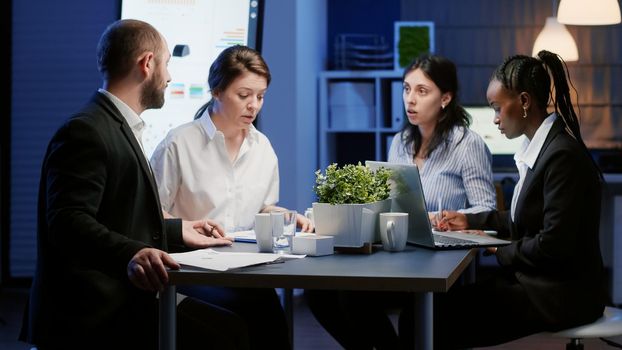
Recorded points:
(458, 174)
(477, 175)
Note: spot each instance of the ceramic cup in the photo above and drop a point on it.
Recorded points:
(393, 231)
(263, 232)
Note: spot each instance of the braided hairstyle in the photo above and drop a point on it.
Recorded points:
(522, 73)
(443, 73)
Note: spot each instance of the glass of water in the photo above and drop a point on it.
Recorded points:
(283, 230)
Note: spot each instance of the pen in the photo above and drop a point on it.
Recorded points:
(439, 214)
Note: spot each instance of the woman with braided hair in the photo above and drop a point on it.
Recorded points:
(551, 276)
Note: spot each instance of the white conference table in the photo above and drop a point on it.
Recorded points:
(417, 270)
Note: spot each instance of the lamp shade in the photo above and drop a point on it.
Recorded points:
(592, 12)
(556, 38)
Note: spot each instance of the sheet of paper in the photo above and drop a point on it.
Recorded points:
(222, 261)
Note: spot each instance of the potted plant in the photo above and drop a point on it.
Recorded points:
(349, 200)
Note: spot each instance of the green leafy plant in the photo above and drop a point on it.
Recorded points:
(352, 184)
(413, 42)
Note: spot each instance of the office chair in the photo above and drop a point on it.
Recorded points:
(609, 325)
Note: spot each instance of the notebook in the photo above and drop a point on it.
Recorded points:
(407, 196)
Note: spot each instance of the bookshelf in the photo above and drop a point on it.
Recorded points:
(359, 113)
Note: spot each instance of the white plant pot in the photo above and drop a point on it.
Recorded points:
(351, 225)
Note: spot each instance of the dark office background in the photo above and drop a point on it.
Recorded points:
(5, 124)
(50, 65)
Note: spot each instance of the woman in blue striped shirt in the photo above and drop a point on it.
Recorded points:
(456, 174)
(454, 162)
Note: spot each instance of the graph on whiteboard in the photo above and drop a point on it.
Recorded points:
(196, 32)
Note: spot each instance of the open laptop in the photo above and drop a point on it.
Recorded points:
(407, 196)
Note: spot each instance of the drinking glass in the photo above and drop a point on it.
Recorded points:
(283, 230)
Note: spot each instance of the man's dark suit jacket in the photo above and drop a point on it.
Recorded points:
(555, 254)
(98, 206)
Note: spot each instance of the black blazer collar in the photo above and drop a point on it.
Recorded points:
(112, 111)
(557, 128)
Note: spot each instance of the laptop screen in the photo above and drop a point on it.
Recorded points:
(407, 197)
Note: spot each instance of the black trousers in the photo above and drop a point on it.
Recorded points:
(258, 310)
(204, 326)
(486, 313)
(200, 326)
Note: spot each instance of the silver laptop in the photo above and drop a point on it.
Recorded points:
(407, 196)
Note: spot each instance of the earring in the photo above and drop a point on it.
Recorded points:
(442, 106)
(524, 112)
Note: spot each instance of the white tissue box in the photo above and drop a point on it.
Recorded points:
(313, 245)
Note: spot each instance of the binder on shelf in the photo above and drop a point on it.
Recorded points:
(389, 141)
(351, 105)
(397, 105)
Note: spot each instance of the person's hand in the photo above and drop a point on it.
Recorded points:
(452, 221)
(304, 223)
(434, 219)
(207, 227)
(490, 251)
(147, 269)
(204, 234)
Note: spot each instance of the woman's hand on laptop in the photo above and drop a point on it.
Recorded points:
(452, 221)
(433, 216)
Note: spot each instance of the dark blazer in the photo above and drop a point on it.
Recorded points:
(555, 254)
(98, 206)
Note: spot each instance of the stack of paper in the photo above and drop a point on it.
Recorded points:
(222, 261)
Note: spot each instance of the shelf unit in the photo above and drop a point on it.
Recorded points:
(344, 143)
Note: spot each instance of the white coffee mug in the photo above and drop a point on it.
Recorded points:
(393, 231)
(263, 232)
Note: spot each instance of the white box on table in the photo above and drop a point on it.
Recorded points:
(313, 245)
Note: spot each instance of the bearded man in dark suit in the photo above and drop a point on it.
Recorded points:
(102, 235)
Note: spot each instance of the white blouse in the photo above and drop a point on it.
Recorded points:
(196, 179)
(527, 155)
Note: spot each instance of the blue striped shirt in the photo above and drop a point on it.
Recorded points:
(457, 173)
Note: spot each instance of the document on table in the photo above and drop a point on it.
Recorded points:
(223, 261)
(243, 236)
(249, 236)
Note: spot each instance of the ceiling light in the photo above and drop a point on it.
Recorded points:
(593, 12)
(555, 38)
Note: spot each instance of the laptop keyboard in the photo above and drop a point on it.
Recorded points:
(452, 241)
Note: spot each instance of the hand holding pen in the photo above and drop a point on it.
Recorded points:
(452, 221)
(439, 214)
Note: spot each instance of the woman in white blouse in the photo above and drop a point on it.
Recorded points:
(220, 167)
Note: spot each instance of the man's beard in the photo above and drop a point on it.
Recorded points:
(152, 96)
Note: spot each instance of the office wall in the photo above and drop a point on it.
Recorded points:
(294, 48)
(5, 137)
(479, 34)
(360, 17)
(54, 73)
